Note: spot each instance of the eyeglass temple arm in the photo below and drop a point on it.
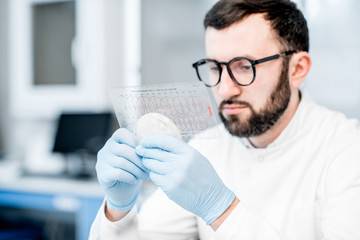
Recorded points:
(273, 57)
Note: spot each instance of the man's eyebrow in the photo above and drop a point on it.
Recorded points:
(243, 55)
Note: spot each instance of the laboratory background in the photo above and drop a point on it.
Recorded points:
(60, 58)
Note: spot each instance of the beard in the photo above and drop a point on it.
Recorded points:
(259, 122)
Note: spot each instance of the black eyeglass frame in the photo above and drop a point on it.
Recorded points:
(227, 64)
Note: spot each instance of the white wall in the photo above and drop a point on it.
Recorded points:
(334, 80)
(172, 39)
(4, 118)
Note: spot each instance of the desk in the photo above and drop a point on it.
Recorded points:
(83, 198)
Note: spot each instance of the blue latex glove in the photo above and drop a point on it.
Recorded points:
(186, 176)
(120, 170)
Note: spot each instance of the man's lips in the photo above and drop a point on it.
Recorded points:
(232, 109)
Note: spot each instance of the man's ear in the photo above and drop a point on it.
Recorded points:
(299, 67)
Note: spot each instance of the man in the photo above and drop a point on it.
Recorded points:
(286, 168)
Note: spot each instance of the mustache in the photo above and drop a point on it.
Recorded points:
(234, 101)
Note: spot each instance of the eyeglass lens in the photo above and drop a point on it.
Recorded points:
(241, 69)
(209, 72)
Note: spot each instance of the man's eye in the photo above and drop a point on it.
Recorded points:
(212, 67)
(241, 68)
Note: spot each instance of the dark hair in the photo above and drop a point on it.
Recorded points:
(285, 18)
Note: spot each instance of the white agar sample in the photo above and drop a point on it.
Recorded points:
(155, 123)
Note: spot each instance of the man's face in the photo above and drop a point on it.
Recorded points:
(249, 111)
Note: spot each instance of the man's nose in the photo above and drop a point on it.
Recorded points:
(227, 87)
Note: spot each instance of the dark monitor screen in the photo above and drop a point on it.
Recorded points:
(82, 132)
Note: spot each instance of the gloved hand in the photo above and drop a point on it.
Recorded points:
(185, 175)
(120, 170)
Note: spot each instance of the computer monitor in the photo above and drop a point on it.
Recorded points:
(82, 132)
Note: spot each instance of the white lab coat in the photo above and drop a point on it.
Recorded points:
(304, 185)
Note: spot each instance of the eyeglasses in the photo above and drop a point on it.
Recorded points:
(241, 69)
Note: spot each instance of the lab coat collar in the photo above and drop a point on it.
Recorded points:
(295, 127)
